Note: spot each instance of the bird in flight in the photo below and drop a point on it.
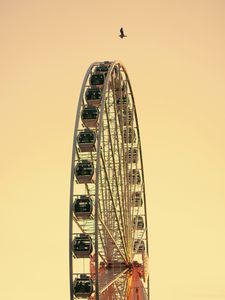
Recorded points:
(122, 35)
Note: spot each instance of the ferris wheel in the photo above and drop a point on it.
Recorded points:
(108, 235)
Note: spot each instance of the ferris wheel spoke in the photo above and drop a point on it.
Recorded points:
(113, 204)
(112, 239)
(102, 204)
(106, 225)
(130, 169)
(123, 199)
(125, 172)
(103, 255)
(119, 195)
(121, 287)
(125, 169)
(110, 277)
(102, 237)
(104, 230)
(82, 228)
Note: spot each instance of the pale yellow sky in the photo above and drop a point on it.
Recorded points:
(175, 58)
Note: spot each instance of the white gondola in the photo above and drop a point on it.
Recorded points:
(125, 117)
(137, 199)
(83, 286)
(86, 140)
(89, 116)
(83, 207)
(138, 222)
(93, 96)
(129, 135)
(122, 103)
(97, 80)
(139, 246)
(84, 172)
(134, 176)
(102, 68)
(82, 246)
(132, 155)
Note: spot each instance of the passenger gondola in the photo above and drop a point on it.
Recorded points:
(84, 172)
(138, 222)
(93, 96)
(125, 117)
(132, 155)
(134, 176)
(97, 79)
(82, 246)
(102, 68)
(139, 246)
(129, 135)
(137, 199)
(89, 116)
(86, 140)
(83, 207)
(83, 286)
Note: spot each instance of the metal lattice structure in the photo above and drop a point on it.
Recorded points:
(108, 244)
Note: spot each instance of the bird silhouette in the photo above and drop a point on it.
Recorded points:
(122, 35)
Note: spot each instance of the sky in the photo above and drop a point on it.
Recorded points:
(174, 54)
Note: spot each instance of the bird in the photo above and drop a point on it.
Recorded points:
(122, 35)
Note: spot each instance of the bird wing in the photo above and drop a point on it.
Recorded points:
(121, 31)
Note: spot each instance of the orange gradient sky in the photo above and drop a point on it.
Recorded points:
(175, 58)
